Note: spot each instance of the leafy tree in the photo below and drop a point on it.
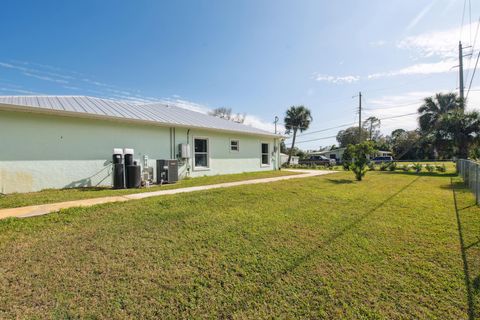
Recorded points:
(372, 124)
(360, 153)
(296, 118)
(226, 113)
(350, 136)
(432, 113)
(462, 128)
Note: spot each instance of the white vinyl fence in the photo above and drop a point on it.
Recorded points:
(470, 173)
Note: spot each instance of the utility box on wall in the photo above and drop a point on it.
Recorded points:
(184, 151)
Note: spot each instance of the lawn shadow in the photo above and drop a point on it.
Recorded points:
(424, 174)
(339, 181)
(463, 249)
(276, 276)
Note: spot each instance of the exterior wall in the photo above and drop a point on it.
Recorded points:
(43, 151)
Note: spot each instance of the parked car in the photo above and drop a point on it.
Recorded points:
(318, 160)
(378, 160)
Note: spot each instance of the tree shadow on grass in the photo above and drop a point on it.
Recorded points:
(424, 174)
(470, 286)
(276, 276)
(339, 181)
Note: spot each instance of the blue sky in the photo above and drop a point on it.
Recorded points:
(257, 57)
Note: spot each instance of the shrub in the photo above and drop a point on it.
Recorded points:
(429, 168)
(441, 168)
(384, 166)
(417, 167)
(371, 166)
(346, 165)
(406, 167)
(392, 166)
(360, 153)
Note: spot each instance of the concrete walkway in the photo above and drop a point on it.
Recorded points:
(38, 210)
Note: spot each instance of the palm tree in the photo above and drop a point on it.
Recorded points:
(462, 128)
(432, 112)
(296, 118)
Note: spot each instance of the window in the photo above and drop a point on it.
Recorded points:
(234, 145)
(201, 153)
(265, 154)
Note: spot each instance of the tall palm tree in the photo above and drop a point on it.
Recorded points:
(433, 111)
(462, 128)
(296, 118)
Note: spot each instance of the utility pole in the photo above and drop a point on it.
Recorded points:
(460, 58)
(276, 121)
(360, 117)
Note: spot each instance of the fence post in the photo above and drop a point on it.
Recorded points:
(476, 183)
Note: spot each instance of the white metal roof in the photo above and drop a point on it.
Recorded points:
(158, 113)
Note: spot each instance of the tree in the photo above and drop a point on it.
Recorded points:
(296, 118)
(432, 112)
(462, 128)
(350, 136)
(371, 124)
(360, 153)
(226, 113)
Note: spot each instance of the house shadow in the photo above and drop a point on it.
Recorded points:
(423, 173)
(86, 184)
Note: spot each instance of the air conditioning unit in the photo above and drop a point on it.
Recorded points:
(167, 171)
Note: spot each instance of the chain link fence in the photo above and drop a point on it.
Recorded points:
(470, 173)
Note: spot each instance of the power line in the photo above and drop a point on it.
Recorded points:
(386, 118)
(473, 74)
(473, 48)
(326, 129)
(393, 107)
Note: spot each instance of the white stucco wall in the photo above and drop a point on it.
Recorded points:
(44, 151)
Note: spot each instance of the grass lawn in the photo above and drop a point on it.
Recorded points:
(321, 247)
(58, 195)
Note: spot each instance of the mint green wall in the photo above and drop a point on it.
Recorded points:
(46, 151)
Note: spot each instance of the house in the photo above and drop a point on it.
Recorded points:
(337, 154)
(67, 141)
(284, 159)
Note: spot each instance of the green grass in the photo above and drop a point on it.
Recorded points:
(58, 195)
(322, 247)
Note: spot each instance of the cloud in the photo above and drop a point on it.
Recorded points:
(420, 69)
(443, 44)
(336, 79)
(420, 16)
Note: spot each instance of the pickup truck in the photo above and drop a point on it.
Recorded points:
(318, 160)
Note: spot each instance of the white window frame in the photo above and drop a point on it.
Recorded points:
(268, 154)
(201, 168)
(238, 145)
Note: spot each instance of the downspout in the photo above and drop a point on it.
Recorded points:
(188, 160)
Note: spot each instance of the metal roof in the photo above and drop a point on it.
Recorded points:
(157, 113)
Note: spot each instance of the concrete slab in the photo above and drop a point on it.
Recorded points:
(37, 210)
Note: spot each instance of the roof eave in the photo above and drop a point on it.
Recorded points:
(39, 110)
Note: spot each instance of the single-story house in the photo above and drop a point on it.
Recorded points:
(67, 141)
(337, 154)
(284, 159)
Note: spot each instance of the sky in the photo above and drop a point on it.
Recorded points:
(258, 57)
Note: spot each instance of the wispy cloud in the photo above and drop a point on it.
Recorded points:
(420, 16)
(335, 79)
(419, 69)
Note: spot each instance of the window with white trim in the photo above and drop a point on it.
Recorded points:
(265, 154)
(200, 153)
(235, 145)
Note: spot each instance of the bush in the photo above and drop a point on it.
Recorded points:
(406, 167)
(441, 168)
(384, 166)
(392, 166)
(417, 167)
(371, 166)
(429, 168)
(346, 165)
(360, 153)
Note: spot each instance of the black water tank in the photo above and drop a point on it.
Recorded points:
(118, 169)
(118, 176)
(133, 175)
